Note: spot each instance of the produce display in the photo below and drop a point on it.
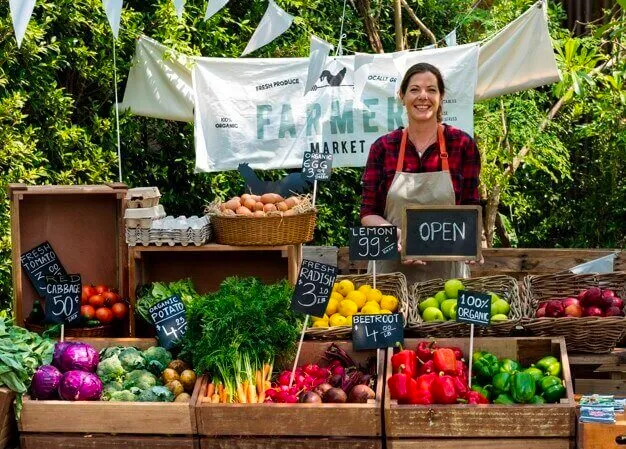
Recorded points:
(442, 306)
(101, 305)
(348, 299)
(269, 204)
(590, 302)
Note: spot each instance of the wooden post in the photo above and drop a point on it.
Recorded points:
(397, 19)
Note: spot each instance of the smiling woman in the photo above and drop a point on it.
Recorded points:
(428, 163)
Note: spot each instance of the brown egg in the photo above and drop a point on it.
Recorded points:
(259, 213)
(268, 198)
(289, 213)
(291, 202)
(249, 203)
(233, 204)
(229, 213)
(278, 197)
(282, 206)
(244, 197)
(255, 197)
(258, 205)
(269, 208)
(243, 211)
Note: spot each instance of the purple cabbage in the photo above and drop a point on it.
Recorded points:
(80, 386)
(79, 356)
(59, 348)
(45, 382)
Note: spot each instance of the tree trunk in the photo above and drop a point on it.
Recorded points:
(397, 21)
(493, 201)
(370, 24)
(505, 241)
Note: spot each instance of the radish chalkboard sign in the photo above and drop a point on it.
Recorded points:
(313, 288)
(441, 232)
(40, 262)
(63, 294)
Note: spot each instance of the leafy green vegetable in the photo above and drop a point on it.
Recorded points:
(131, 359)
(159, 291)
(157, 359)
(110, 369)
(141, 379)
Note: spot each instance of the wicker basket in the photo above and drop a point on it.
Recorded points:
(106, 330)
(389, 284)
(504, 286)
(264, 231)
(585, 334)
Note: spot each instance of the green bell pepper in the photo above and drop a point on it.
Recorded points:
(509, 366)
(537, 400)
(552, 388)
(535, 373)
(485, 391)
(522, 387)
(504, 399)
(501, 383)
(485, 364)
(550, 366)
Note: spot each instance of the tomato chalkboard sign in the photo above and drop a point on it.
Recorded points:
(313, 288)
(63, 298)
(40, 262)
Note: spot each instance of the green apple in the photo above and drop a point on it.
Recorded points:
(441, 296)
(446, 306)
(452, 287)
(499, 317)
(453, 313)
(428, 302)
(500, 307)
(494, 297)
(432, 314)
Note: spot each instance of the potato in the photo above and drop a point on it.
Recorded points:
(249, 203)
(282, 206)
(258, 206)
(175, 387)
(243, 211)
(269, 208)
(269, 198)
(170, 375)
(233, 204)
(258, 213)
(188, 379)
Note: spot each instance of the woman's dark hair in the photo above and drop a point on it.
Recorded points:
(424, 67)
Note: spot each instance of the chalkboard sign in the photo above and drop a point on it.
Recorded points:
(441, 232)
(40, 262)
(377, 331)
(317, 166)
(313, 288)
(373, 243)
(170, 321)
(473, 308)
(62, 298)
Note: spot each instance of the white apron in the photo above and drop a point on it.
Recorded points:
(434, 188)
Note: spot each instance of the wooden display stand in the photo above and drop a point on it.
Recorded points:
(492, 426)
(7, 418)
(599, 373)
(84, 225)
(301, 426)
(209, 265)
(603, 436)
(98, 424)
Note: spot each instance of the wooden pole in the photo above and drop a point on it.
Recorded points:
(397, 19)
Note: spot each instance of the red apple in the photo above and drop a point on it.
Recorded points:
(617, 302)
(542, 304)
(613, 311)
(540, 312)
(592, 311)
(574, 310)
(569, 301)
(592, 297)
(606, 302)
(607, 292)
(581, 294)
(554, 309)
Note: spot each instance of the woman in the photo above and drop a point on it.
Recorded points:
(427, 163)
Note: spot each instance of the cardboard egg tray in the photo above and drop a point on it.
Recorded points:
(161, 233)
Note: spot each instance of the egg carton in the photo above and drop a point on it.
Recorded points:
(143, 217)
(172, 231)
(142, 197)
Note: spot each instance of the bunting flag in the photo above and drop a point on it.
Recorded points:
(180, 6)
(275, 22)
(21, 10)
(320, 49)
(213, 7)
(596, 266)
(113, 10)
(451, 38)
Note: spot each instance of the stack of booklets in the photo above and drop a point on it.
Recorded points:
(600, 408)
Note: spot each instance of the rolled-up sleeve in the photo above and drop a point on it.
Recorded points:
(374, 197)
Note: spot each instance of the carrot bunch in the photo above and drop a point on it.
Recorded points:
(248, 386)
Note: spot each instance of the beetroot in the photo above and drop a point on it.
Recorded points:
(592, 297)
(360, 394)
(310, 397)
(555, 309)
(335, 396)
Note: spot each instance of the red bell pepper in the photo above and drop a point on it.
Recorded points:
(474, 397)
(460, 386)
(401, 386)
(421, 397)
(462, 370)
(424, 350)
(425, 381)
(405, 360)
(458, 352)
(443, 390)
(428, 367)
(445, 360)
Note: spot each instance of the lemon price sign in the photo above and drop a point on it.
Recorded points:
(473, 308)
(313, 287)
(373, 243)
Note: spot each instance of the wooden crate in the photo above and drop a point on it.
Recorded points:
(154, 418)
(482, 443)
(328, 420)
(603, 436)
(208, 265)
(488, 421)
(84, 225)
(290, 443)
(7, 418)
(99, 441)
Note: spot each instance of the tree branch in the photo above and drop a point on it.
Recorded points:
(419, 23)
(371, 25)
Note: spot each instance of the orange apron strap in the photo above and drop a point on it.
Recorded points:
(443, 153)
(400, 164)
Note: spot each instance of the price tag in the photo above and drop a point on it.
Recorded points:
(40, 262)
(313, 288)
(317, 166)
(62, 298)
(170, 320)
(377, 331)
(373, 243)
(473, 308)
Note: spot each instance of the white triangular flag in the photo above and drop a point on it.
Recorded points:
(179, 5)
(317, 60)
(275, 22)
(113, 10)
(213, 7)
(601, 265)
(21, 10)
(451, 38)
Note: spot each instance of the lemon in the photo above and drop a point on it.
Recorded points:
(347, 308)
(345, 287)
(349, 320)
(319, 318)
(337, 296)
(389, 302)
(335, 286)
(337, 320)
(320, 323)
(374, 295)
(364, 288)
(371, 308)
(357, 297)
(332, 306)
(385, 312)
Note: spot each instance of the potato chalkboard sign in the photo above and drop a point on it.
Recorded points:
(377, 331)
(40, 262)
(373, 243)
(473, 308)
(62, 298)
(317, 166)
(441, 232)
(169, 318)
(313, 288)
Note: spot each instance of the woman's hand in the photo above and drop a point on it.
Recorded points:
(481, 261)
(407, 262)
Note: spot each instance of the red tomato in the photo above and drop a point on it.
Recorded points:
(88, 291)
(96, 301)
(104, 315)
(120, 310)
(87, 312)
(101, 289)
(110, 298)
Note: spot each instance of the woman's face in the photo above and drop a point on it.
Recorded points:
(422, 97)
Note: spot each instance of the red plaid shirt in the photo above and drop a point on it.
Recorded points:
(463, 158)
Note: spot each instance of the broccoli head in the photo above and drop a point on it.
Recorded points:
(163, 394)
(111, 351)
(141, 379)
(157, 359)
(109, 388)
(110, 369)
(123, 396)
(131, 359)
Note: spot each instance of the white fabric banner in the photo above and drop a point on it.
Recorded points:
(21, 10)
(275, 22)
(320, 49)
(263, 120)
(213, 7)
(179, 5)
(113, 10)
